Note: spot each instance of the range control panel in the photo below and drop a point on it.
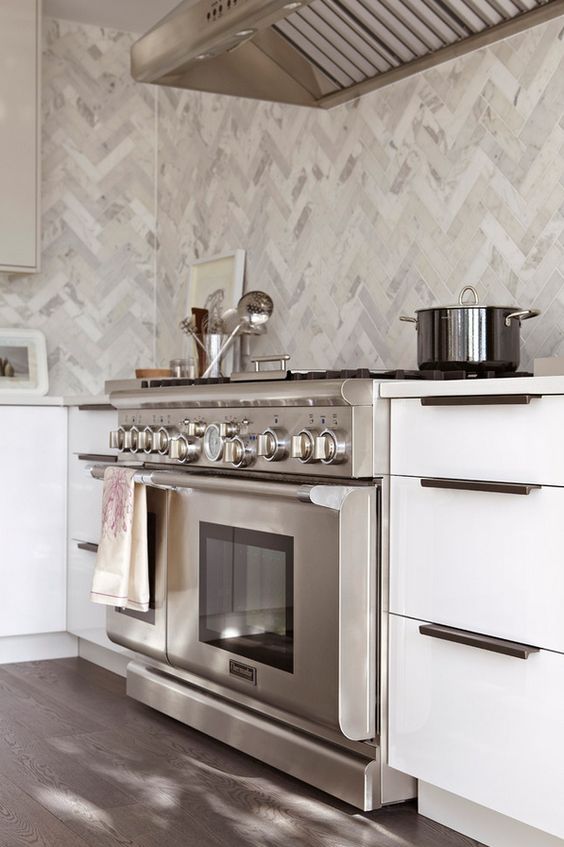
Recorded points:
(309, 441)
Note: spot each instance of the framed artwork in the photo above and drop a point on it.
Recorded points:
(216, 284)
(23, 362)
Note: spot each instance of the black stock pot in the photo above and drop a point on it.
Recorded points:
(470, 336)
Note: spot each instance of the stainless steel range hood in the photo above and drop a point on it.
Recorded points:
(320, 52)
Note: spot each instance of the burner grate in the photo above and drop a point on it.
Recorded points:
(347, 373)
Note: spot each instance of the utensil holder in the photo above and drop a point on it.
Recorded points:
(213, 342)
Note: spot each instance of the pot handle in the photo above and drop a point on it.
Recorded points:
(522, 316)
(463, 295)
(407, 319)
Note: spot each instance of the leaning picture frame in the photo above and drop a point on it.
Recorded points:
(216, 283)
(23, 362)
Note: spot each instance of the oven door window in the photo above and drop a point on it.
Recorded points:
(247, 593)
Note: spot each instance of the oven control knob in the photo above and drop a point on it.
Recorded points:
(196, 428)
(130, 439)
(303, 446)
(228, 429)
(183, 450)
(160, 441)
(144, 439)
(117, 439)
(272, 445)
(330, 447)
(238, 453)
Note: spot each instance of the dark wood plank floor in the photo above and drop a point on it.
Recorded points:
(83, 765)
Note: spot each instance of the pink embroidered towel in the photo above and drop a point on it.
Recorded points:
(121, 574)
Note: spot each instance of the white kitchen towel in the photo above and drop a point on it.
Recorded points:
(121, 573)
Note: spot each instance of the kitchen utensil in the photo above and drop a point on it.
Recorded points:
(254, 309)
(469, 336)
(201, 317)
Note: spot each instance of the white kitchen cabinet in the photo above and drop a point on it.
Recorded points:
(89, 430)
(483, 726)
(33, 459)
(513, 443)
(479, 560)
(20, 52)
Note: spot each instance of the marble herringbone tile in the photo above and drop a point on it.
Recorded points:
(94, 297)
(353, 217)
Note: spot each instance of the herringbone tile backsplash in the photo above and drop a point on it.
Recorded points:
(354, 217)
(94, 298)
(350, 218)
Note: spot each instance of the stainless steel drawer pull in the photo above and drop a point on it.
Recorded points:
(88, 546)
(482, 642)
(491, 487)
(482, 400)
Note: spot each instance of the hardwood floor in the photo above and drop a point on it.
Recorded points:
(81, 764)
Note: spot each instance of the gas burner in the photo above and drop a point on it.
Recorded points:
(182, 381)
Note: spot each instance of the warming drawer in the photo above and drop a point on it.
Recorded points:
(482, 725)
(517, 438)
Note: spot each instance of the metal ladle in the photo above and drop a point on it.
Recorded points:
(254, 310)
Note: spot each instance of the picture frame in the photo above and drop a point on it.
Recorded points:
(217, 281)
(225, 272)
(23, 362)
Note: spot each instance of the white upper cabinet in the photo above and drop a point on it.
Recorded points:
(20, 90)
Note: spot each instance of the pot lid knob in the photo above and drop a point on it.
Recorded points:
(465, 290)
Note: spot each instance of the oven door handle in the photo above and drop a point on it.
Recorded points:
(358, 598)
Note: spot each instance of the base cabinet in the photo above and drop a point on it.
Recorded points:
(88, 437)
(483, 726)
(32, 524)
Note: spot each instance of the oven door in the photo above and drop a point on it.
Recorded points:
(272, 592)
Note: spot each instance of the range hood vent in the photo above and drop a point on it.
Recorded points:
(320, 52)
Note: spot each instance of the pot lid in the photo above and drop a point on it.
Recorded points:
(468, 289)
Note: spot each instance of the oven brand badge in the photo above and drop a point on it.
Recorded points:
(242, 671)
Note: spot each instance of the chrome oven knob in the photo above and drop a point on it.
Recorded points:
(117, 439)
(228, 429)
(160, 441)
(238, 453)
(144, 438)
(330, 447)
(196, 428)
(182, 450)
(130, 439)
(272, 445)
(303, 446)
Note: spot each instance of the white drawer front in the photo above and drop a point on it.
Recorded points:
(522, 443)
(488, 562)
(85, 503)
(481, 725)
(89, 431)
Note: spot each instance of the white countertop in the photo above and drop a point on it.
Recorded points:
(461, 387)
(9, 399)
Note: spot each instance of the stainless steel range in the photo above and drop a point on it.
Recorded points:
(267, 535)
